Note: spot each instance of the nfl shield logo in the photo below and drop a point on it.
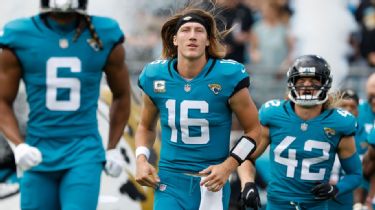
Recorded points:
(304, 126)
(64, 43)
(162, 187)
(187, 88)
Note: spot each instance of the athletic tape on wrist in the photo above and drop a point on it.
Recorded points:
(142, 150)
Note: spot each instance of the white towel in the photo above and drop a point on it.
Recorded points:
(211, 200)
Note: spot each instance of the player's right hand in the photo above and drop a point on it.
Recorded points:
(146, 174)
(27, 156)
(250, 196)
(114, 163)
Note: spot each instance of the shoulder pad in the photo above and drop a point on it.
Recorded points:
(104, 23)
(13, 29)
(231, 66)
(155, 67)
(108, 29)
(268, 110)
(152, 71)
(346, 122)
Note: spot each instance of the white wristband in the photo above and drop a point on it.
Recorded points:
(142, 150)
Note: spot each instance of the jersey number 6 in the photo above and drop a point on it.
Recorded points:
(54, 82)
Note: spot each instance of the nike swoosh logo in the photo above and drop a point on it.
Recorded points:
(243, 70)
(330, 190)
(248, 193)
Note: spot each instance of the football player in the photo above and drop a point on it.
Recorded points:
(194, 92)
(61, 55)
(349, 101)
(367, 118)
(367, 108)
(369, 169)
(305, 133)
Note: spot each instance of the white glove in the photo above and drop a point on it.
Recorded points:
(114, 164)
(27, 156)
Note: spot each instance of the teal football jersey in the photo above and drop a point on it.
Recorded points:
(195, 115)
(62, 77)
(361, 139)
(366, 116)
(302, 153)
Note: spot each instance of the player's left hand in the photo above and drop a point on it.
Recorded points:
(216, 178)
(324, 191)
(114, 163)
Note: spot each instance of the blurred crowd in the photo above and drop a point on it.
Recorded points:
(268, 34)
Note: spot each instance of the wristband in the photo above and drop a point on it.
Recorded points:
(142, 150)
(244, 147)
(357, 206)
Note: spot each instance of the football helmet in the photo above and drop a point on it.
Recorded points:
(311, 66)
(63, 6)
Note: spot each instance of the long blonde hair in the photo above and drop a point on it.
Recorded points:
(216, 49)
(334, 100)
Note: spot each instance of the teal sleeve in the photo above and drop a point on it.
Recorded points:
(109, 31)
(353, 177)
(269, 109)
(7, 37)
(238, 75)
(142, 79)
(263, 116)
(371, 138)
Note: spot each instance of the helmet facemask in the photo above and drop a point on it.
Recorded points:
(64, 6)
(311, 95)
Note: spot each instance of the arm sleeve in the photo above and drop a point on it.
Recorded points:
(353, 169)
(7, 37)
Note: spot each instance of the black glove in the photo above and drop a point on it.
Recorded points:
(250, 196)
(324, 191)
(130, 189)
